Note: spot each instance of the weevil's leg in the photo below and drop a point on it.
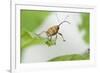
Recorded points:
(42, 32)
(50, 38)
(62, 36)
(55, 38)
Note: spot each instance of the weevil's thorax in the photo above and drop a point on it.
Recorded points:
(53, 30)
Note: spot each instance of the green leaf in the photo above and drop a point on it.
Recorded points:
(50, 42)
(85, 25)
(30, 21)
(29, 39)
(34, 39)
(71, 57)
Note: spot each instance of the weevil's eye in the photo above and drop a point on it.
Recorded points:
(57, 27)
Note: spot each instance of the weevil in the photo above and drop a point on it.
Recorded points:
(54, 30)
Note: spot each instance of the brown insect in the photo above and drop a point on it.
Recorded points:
(54, 30)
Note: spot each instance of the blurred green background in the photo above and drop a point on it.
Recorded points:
(32, 20)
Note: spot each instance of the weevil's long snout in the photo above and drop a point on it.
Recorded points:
(64, 22)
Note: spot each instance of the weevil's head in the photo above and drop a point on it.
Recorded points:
(57, 27)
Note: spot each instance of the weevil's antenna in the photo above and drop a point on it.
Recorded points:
(64, 22)
(66, 17)
(57, 18)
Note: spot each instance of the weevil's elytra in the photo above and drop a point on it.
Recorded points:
(52, 30)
